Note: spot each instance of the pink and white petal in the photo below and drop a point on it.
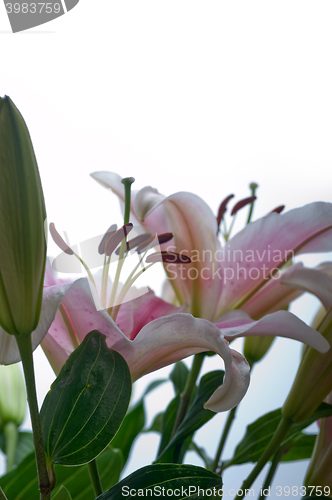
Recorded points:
(272, 296)
(271, 241)
(194, 227)
(315, 281)
(52, 297)
(280, 324)
(84, 317)
(228, 394)
(136, 313)
(56, 354)
(171, 338)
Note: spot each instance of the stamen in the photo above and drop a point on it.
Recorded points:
(278, 210)
(135, 242)
(117, 238)
(111, 230)
(162, 238)
(242, 203)
(59, 240)
(169, 257)
(223, 208)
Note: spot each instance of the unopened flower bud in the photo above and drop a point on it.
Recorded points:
(12, 395)
(313, 380)
(256, 347)
(22, 216)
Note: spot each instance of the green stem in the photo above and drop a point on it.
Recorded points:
(2, 495)
(25, 348)
(11, 437)
(95, 479)
(188, 390)
(280, 434)
(229, 421)
(270, 475)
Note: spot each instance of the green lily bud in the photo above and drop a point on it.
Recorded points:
(256, 347)
(12, 395)
(22, 216)
(313, 381)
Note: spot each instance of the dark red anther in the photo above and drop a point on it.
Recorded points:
(111, 230)
(242, 203)
(164, 238)
(59, 240)
(117, 238)
(278, 210)
(141, 238)
(168, 257)
(223, 208)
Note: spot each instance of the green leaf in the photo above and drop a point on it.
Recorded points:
(300, 448)
(130, 428)
(86, 404)
(259, 434)
(22, 484)
(157, 424)
(179, 376)
(201, 452)
(24, 446)
(167, 428)
(197, 415)
(63, 494)
(154, 481)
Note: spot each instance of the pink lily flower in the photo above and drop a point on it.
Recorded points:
(244, 274)
(166, 339)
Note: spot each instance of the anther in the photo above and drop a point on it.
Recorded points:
(223, 208)
(168, 257)
(141, 238)
(59, 240)
(242, 203)
(111, 230)
(278, 210)
(117, 238)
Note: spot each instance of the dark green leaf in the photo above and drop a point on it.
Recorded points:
(197, 415)
(63, 494)
(130, 428)
(300, 447)
(179, 376)
(157, 424)
(181, 481)
(22, 484)
(201, 452)
(86, 404)
(167, 427)
(259, 434)
(24, 446)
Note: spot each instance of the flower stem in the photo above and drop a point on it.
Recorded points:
(229, 421)
(11, 437)
(25, 348)
(270, 475)
(188, 390)
(95, 479)
(280, 434)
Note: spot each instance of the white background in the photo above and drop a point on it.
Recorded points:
(183, 95)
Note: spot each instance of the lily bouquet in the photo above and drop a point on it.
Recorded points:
(101, 333)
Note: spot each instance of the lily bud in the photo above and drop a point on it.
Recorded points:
(12, 396)
(256, 347)
(22, 216)
(313, 381)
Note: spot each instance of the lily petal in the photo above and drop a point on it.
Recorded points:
(194, 227)
(134, 314)
(52, 297)
(271, 241)
(236, 324)
(315, 281)
(169, 339)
